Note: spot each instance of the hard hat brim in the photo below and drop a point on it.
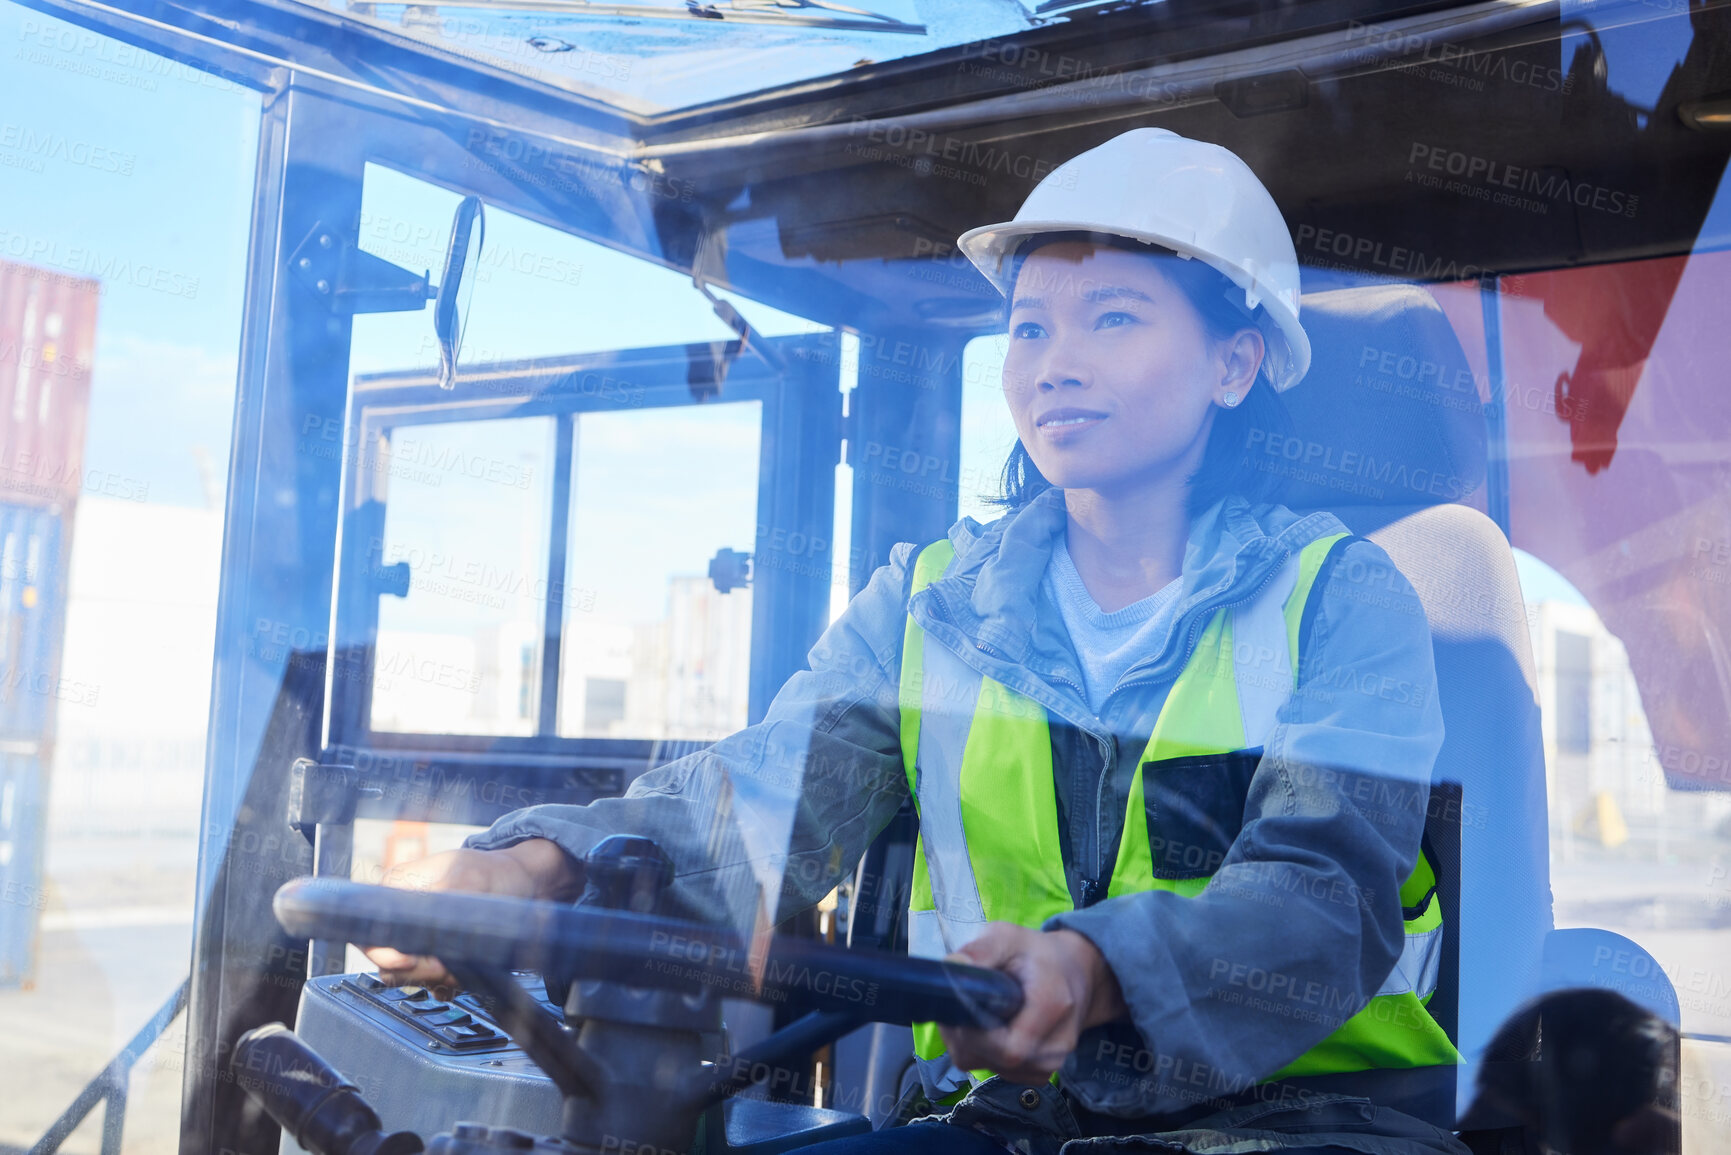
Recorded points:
(990, 248)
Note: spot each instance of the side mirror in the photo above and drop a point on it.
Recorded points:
(457, 284)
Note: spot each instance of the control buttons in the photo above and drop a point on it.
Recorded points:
(429, 1007)
(483, 1011)
(449, 1017)
(406, 995)
(468, 1035)
(461, 1024)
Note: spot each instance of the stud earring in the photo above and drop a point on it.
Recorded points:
(1230, 400)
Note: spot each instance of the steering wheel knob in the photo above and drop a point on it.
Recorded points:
(626, 872)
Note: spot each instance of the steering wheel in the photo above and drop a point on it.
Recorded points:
(642, 988)
(646, 950)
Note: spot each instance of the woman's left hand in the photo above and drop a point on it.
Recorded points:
(1066, 988)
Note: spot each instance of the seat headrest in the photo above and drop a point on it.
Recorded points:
(1389, 413)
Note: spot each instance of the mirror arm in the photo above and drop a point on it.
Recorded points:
(749, 338)
(351, 280)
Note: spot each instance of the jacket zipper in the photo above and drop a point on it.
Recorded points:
(1092, 888)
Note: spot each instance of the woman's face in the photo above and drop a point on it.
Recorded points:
(1110, 375)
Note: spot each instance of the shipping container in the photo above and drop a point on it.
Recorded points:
(47, 346)
(35, 548)
(32, 622)
(47, 343)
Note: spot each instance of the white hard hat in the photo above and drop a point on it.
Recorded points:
(1194, 198)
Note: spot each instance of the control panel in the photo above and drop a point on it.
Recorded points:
(427, 1065)
(462, 1024)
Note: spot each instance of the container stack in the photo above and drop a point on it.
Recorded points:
(47, 340)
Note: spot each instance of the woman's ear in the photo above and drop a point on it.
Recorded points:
(1240, 362)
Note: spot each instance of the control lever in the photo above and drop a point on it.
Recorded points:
(625, 872)
(621, 872)
(309, 1099)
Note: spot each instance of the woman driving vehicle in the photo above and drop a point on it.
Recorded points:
(1144, 716)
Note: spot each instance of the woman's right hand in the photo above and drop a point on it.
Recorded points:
(534, 868)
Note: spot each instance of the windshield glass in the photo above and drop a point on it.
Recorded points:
(659, 56)
(1233, 500)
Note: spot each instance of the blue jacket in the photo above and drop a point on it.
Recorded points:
(1302, 922)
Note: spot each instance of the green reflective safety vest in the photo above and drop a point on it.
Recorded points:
(979, 765)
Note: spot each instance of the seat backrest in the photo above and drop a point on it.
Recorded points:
(1389, 415)
(1392, 441)
(1463, 571)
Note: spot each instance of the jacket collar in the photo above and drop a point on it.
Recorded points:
(986, 606)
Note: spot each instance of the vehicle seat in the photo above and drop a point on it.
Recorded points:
(1391, 393)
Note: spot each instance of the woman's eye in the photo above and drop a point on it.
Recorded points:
(1113, 320)
(1026, 330)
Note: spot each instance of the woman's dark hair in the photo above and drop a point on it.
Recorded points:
(1228, 463)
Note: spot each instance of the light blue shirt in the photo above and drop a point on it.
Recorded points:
(1106, 644)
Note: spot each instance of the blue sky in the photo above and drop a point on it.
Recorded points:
(1640, 50)
(169, 206)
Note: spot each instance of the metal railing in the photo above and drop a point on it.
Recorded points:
(111, 1083)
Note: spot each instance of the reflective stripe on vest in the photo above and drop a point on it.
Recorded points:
(979, 764)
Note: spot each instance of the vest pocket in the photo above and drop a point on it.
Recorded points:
(1195, 809)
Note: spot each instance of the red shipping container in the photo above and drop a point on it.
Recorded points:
(47, 343)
